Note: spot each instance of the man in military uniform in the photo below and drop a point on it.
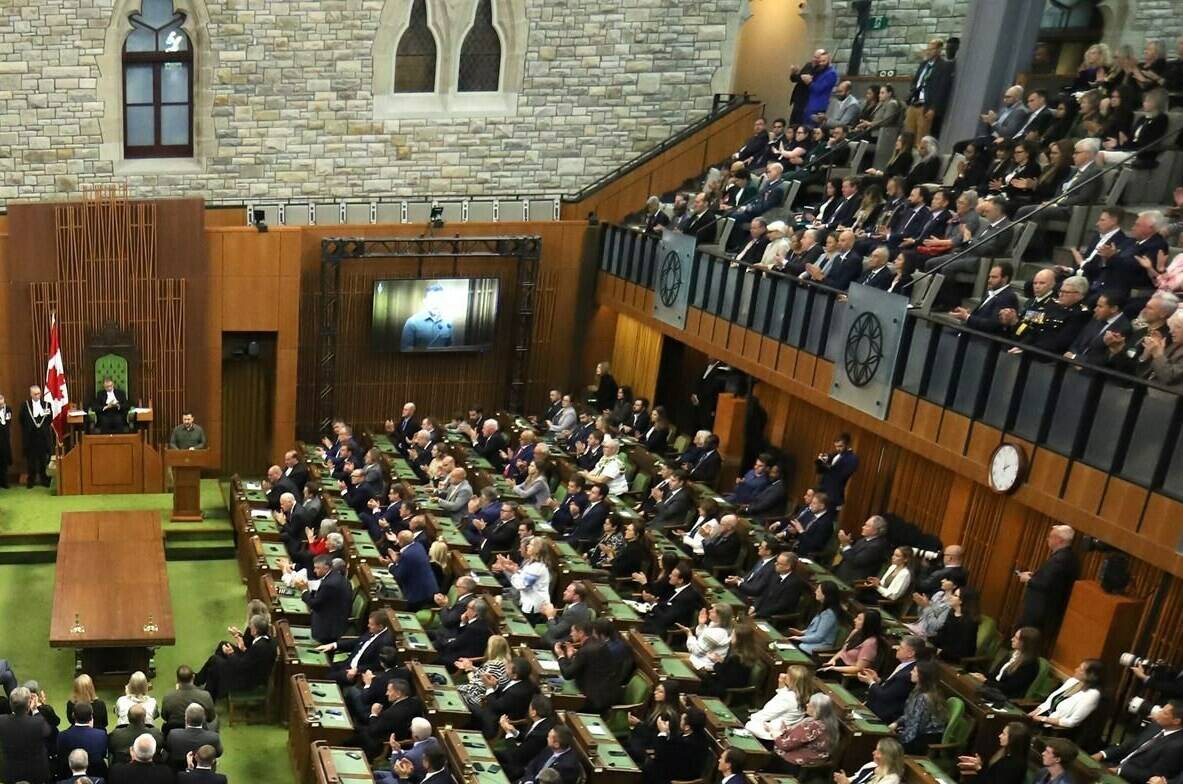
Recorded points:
(428, 328)
(1055, 326)
(1043, 290)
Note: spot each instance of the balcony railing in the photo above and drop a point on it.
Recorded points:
(1115, 423)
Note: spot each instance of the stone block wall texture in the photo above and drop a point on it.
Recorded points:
(292, 104)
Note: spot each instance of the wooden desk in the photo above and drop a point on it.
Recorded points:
(115, 629)
(609, 604)
(722, 725)
(472, 565)
(769, 778)
(316, 713)
(602, 753)
(445, 707)
(564, 694)
(470, 759)
(920, 770)
(988, 719)
(119, 463)
(339, 765)
(859, 723)
(657, 660)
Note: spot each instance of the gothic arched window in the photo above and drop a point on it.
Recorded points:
(480, 54)
(157, 84)
(415, 58)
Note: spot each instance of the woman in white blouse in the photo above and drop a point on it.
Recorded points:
(708, 512)
(713, 636)
(794, 687)
(135, 693)
(897, 578)
(1076, 698)
(531, 578)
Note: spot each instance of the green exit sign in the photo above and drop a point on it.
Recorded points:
(878, 23)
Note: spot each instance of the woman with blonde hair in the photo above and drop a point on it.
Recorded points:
(438, 559)
(489, 674)
(135, 693)
(794, 687)
(529, 580)
(886, 766)
(84, 693)
(712, 636)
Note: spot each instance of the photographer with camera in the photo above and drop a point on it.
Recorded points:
(1155, 676)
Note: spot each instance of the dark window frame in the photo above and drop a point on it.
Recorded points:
(157, 60)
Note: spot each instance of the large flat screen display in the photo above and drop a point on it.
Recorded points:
(440, 314)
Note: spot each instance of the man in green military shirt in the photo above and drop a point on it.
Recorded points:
(187, 435)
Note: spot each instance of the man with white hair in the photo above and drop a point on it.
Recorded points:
(656, 218)
(22, 740)
(453, 496)
(77, 762)
(808, 252)
(1146, 254)
(421, 741)
(191, 737)
(1151, 321)
(1049, 586)
(610, 470)
(489, 443)
(141, 769)
(866, 557)
(877, 275)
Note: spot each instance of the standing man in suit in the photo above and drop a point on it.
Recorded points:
(142, 768)
(110, 408)
(173, 704)
(37, 437)
(450, 617)
(999, 296)
(1049, 586)
(23, 735)
(363, 651)
(82, 736)
(276, 485)
(784, 591)
(589, 521)
(558, 755)
(411, 569)
(587, 660)
(671, 511)
(769, 502)
(183, 741)
(929, 94)
(295, 471)
(699, 221)
(510, 698)
(814, 535)
(679, 608)
(522, 746)
(453, 496)
(752, 584)
(865, 557)
(402, 431)
(1095, 260)
(886, 697)
(1105, 335)
(328, 601)
(489, 443)
(1155, 751)
(575, 610)
(835, 469)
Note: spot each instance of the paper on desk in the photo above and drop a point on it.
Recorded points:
(641, 607)
(297, 576)
(252, 485)
(596, 729)
(548, 665)
(260, 514)
(804, 560)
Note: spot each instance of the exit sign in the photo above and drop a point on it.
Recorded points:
(877, 23)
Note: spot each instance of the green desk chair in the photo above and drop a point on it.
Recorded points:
(745, 695)
(258, 702)
(358, 611)
(639, 486)
(956, 735)
(429, 618)
(115, 367)
(636, 693)
(680, 444)
(989, 643)
(1043, 685)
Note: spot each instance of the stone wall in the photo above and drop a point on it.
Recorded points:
(286, 109)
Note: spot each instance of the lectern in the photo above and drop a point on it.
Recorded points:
(186, 465)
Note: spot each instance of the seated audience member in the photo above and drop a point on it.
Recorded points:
(558, 755)
(679, 607)
(886, 697)
(841, 270)
(895, 580)
(410, 759)
(900, 162)
(878, 274)
(1151, 321)
(610, 470)
(184, 740)
(787, 707)
(752, 482)
(82, 736)
(135, 693)
(1149, 127)
(769, 196)
(693, 451)
(84, 693)
(241, 669)
(934, 610)
(957, 638)
(927, 167)
(723, 547)
(759, 230)
(681, 748)
(637, 418)
(1144, 255)
(141, 769)
(486, 676)
(705, 525)
(924, 717)
(812, 529)
(563, 518)
(1057, 755)
(1014, 676)
(812, 739)
(1017, 184)
(121, 739)
(843, 110)
(783, 593)
(1155, 753)
(1160, 361)
(950, 237)
(276, 485)
(588, 523)
(971, 172)
(676, 504)
(370, 687)
(822, 631)
(769, 501)
(1096, 343)
(633, 556)
(1054, 327)
(643, 732)
(886, 766)
(654, 437)
(575, 610)
(752, 152)
(708, 464)
(1082, 186)
(656, 217)
(999, 296)
(522, 745)
(862, 646)
(752, 584)
(950, 568)
(700, 221)
(711, 638)
(600, 554)
(393, 719)
(992, 238)
(867, 555)
(740, 187)
(470, 637)
(1075, 699)
(363, 651)
(1007, 764)
(734, 670)
(510, 697)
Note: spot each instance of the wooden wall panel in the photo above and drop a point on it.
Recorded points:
(636, 356)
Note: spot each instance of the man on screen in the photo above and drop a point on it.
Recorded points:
(428, 328)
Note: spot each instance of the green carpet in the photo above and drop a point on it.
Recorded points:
(207, 596)
(37, 511)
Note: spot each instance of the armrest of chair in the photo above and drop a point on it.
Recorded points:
(739, 691)
(976, 663)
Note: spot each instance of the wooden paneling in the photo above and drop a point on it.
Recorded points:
(636, 356)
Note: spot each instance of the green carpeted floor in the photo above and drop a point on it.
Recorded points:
(207, 596)
(36, 511)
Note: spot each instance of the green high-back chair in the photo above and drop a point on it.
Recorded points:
(115, 367)
(957, 731)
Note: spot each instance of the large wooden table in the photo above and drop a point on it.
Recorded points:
(110, 598)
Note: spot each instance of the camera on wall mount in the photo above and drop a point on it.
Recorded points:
(258, 220)
(436, 219)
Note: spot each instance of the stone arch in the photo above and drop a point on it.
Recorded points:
(110, 86)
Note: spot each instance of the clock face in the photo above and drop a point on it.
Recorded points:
(1006, 466)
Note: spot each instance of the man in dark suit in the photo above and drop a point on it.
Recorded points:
(121, 739)
(928, 96)
(910, 222)
(769, 502)
(241, 669)
(295, 471)
(784, 591)
(502, 535)
(843, 214)
(1156, 751)
(411, 568)
(679, 753)
(587, 660)
(1056, 324)
(77, 762)
(700, 221)
(752, 251)
(1049, 586)
(934, 227)
(83, 736)
(993, 238)
(490, 443)
(22, 740)
(174, 703)
(841, 269)
(470, 638)
(877, 275)
(810, 251)
(277, 484)
(752, 584)
(558, 625)
(723, 548)
(865, 557)
(814, 535)
(110, 408)
(589, 523)
(770, 195)
(672, 511)
(510, 698)
(522, 746)
(180, 742)
(1083, 186)
(330, 603)
(1141, 254)
(753, 150)
(363, 651)
(708, 465)
(435, 768)
(201, 768)
(886, 697)
(679, 608)
(835, 469)
(999, 297)
(141, 769)
(1100, 259)
(450, 617)
(394, 719)
(558, 755)
(1093, 344)
(656, 218)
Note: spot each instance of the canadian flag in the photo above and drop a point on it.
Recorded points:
(56, 394)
